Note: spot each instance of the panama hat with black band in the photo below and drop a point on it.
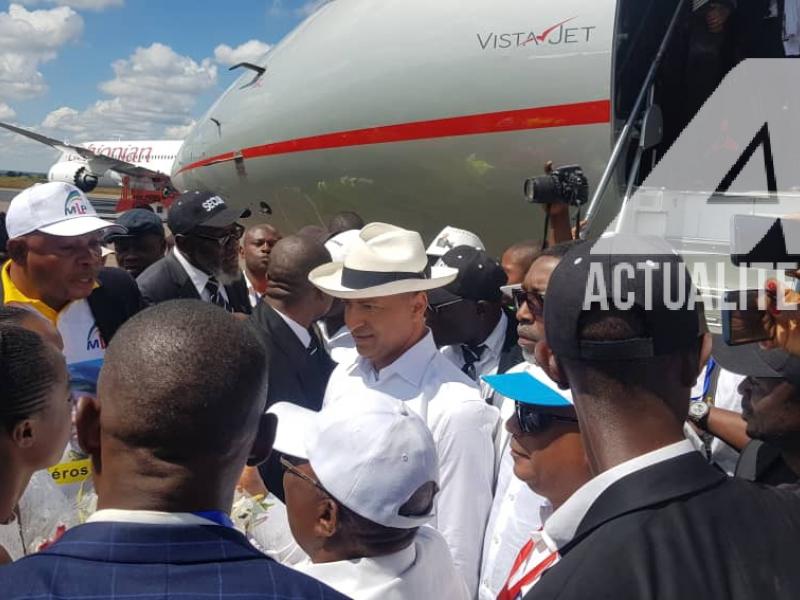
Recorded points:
(383, 261)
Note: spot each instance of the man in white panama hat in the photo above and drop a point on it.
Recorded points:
(382, 281)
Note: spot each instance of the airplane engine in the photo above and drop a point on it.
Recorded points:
(75, 173)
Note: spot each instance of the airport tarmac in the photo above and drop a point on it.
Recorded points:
(104, 205)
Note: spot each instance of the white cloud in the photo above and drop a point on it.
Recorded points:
(153, 94)
(178, 132)
(6, 112)
(95, 5)
(250, 51)
(309, 8)
(28, 39)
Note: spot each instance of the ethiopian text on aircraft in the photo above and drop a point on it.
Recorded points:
(128, 153)
(555, 35)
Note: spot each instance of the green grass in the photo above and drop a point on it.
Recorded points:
(27, 181)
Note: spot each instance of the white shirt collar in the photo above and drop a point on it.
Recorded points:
(199, 278)
(563, 523)
(411, 365)
(301, 332)
(147, 517)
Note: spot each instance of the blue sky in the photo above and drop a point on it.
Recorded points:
(131, 69)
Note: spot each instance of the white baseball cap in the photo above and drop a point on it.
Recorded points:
(54, 208)
(451, 237)
(339, 245)
(370, 458)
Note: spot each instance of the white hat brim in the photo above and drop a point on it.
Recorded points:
(328, 278)
(81, 226)
(295, 423)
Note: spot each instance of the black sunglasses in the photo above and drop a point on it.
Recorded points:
(236, 234)
(532, 421)
(533, 300)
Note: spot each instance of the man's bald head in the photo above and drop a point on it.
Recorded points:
(183, 381)
(292, 259)
(518, 258)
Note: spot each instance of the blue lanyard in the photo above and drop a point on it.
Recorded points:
(217, 516)
(706, 381)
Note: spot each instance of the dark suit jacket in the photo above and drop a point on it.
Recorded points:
(294, 376)
(512, 353)
(166, 279)
(115, 301)
(149, 562)
(681, 530)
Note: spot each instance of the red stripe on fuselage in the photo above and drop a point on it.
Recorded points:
(564, 115)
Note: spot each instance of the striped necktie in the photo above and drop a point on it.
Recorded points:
(472, 354)
(212, 287)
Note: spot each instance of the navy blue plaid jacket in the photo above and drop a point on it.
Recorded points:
(149, 562)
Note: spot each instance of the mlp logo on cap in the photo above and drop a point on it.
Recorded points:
(95, 341)
(75, 204)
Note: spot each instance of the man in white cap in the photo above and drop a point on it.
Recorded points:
(55, 267)
(450, 237)
(360, 485)
(383, 280)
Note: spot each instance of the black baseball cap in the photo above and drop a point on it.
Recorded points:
(479, 277)
(651, 276)
(754, 361)
(138, 221)
(194, 208)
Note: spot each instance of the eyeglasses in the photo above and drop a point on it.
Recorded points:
(532, 421)
(236, 234)
(437, 308)
(298, 473)
(533, 300)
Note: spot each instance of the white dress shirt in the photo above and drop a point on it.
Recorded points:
(198, 278)
(252, 292)
(463, 426)
(423, 571)
(516, 509)
(301, 332)
(563, 524)
(490, 359)
(147, 517)
(727, 397)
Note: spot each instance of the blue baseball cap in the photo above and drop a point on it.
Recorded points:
(526, 388)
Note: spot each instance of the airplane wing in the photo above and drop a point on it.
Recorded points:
(98, 163)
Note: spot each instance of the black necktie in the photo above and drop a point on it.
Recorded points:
(472, 354)
(212, 286)
(313, 344)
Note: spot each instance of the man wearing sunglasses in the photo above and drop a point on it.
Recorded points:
(516, 509)
(549, 458)
(204, 264)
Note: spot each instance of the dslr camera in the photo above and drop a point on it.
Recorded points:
(562, 185)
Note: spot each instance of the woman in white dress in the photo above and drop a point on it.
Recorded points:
(34, 422)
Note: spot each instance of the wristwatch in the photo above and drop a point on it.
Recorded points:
(698, 413)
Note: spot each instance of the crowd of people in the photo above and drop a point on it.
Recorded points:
(337, 412)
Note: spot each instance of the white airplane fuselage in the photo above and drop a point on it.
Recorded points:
(418, 113)
(156, 155)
